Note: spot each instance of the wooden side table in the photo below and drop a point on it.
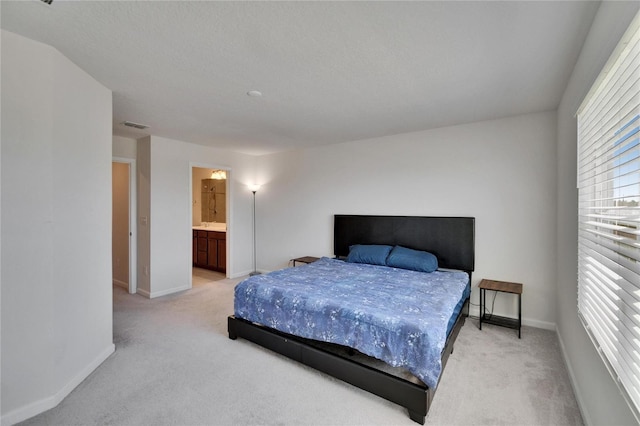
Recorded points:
(304, 259)
(505, 287)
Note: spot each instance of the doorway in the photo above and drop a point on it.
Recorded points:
(123, 242)
(209, 223)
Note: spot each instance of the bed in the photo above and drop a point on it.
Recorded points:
(356, 340)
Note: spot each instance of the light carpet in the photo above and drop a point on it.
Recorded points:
(175, 365)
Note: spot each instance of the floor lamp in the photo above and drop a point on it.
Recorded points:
(253, 189)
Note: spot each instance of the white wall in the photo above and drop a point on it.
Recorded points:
(501, 172)
(143, 208)
(170, 198)
(56, 263)
(600, 401)
(124, 147)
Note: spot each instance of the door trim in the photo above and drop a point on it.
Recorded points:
(228, 198)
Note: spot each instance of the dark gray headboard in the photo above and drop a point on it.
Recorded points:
(451, 239)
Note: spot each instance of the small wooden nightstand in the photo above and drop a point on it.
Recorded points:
(304, 259)
(505, 287)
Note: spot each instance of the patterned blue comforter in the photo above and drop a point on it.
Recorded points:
(395, 315)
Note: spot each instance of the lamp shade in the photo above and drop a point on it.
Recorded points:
(254, 187)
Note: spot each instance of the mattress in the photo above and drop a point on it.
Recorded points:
(398, 316)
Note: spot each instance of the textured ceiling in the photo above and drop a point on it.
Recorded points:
(329, 71)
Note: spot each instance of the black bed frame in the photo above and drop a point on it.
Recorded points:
(451, 239)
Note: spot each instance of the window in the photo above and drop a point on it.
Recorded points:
(609, 215)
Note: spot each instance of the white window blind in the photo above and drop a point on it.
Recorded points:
(609, 215)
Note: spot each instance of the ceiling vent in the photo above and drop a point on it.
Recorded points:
(135, 125)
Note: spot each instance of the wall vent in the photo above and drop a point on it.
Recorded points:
(135, 125)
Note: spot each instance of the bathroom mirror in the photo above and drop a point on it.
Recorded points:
(213, 201)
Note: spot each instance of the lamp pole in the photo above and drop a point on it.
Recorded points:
(254, 188)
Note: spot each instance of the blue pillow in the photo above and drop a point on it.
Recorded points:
(372, 254)
(406, 258)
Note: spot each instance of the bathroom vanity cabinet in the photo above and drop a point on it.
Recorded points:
(210, 250)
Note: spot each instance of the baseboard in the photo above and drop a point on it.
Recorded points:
(246, 273)
(539, 324)
(143, 292)
(529, 322)
(37, 407)
(574, 383)
(121, 284)
(155, 294)
(239, 274)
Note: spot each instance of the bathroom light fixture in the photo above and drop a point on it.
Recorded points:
(218, 174)
(254, 93)
(254, 188)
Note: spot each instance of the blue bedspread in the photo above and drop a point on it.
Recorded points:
(395, 315)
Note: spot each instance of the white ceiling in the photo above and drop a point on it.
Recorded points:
(329, 71)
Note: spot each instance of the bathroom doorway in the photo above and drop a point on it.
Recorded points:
(123, 241)
(209, 223)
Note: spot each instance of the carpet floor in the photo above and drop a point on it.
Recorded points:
(174, 365)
